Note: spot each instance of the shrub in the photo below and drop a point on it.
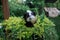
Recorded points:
(17, 28)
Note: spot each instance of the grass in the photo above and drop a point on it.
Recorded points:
(57, 23)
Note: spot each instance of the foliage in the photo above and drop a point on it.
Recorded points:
(17, 24)
(57, 27)
(50, 33)
(1, 14)
(0, 3)
(56, 4)
(19, 30)
(17, 9)
(2, 34)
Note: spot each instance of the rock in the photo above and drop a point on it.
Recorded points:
(53, 12)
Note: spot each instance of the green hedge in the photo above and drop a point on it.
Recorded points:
(17, 28)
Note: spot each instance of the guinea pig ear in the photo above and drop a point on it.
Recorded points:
(34, 13)
(26, 15)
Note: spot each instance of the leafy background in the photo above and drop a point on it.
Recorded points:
(17, 9)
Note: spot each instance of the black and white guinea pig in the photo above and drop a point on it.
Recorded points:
(30, 18)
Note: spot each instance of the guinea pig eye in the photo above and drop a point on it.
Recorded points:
(33, 13)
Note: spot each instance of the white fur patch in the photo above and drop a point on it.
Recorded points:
(32, 16)
(28, 11)
(28, 19)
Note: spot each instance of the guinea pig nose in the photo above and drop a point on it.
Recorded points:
(30, 18)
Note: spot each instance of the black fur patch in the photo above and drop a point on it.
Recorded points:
(29, 24)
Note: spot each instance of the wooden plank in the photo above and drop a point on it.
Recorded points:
(5, 9)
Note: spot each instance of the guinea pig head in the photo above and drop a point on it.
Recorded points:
(30, 16)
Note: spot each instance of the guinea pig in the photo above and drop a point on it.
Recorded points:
(30, 18)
